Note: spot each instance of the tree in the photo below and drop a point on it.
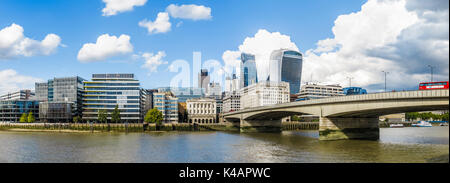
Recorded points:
(445, 117)
(77, 119)
(31, 118)
(102, 116)
(115, 115)
(23, 118)
(154, 116)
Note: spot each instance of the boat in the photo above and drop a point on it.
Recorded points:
(396, 125)
(422, 124)
(443, 124)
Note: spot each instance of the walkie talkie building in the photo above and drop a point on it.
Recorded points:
(286, 65)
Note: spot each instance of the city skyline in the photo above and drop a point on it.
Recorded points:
(60, 43)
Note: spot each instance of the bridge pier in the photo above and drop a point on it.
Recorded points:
(348, 128)
(260, 125)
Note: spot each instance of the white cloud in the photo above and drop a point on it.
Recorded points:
(13, 43)
(118, 6)
(191, 11)
(152, 61)
(160, 25)
(232, 62)
(261, 45)
(11, 81)
(384, 35)
(105, 47)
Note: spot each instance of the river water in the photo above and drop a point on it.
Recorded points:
(395, 145)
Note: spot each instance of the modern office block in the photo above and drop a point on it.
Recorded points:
(12, 110)
(18, 95)
(106, 91)
(248, 69)
(184, 93)
(286, 65)
(65, 89)
(55, 112)
(167, 103)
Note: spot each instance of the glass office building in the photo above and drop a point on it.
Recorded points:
(106, 91)
(12, 110)
(286, 65)
(184, 93)
(248, 70)
(65, 89)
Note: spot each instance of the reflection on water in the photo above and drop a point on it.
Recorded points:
(395, 145)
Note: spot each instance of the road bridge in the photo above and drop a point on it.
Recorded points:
(344, 117)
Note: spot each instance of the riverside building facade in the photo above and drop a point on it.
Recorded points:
(12, 110)
(59, 90)
(286, 65)
(264, 94)
(106, 91)
(202, 110)
(167, 103)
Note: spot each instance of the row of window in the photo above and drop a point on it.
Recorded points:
(110, 106)
(111, 84)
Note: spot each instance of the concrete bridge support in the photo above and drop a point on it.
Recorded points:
(260, 125)
(334, 128)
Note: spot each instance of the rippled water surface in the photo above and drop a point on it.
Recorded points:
(395, 145)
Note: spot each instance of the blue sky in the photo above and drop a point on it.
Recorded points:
(81, 21)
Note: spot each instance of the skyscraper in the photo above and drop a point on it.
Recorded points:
(248, 70)
(203, 79)
(106, 91)
(286, 65)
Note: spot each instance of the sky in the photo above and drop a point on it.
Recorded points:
(157, 40)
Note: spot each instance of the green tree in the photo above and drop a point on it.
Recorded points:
(115, 115)
(31, 118)
(23, 118)
(445, 117)
(102, 116)
(77, 119)
(154, 116)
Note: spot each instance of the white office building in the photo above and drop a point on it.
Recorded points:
(264, 94)
(231, 102)
(18, 95)
(316, 91)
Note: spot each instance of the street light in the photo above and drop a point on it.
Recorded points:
(350, 81)
(431, 68)
(385, 76)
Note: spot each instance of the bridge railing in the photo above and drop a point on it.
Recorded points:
(353, 98)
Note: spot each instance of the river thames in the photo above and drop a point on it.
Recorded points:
(396, 145)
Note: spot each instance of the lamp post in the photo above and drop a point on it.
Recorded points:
(385, 76)
(350, 81)
(431, 68)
